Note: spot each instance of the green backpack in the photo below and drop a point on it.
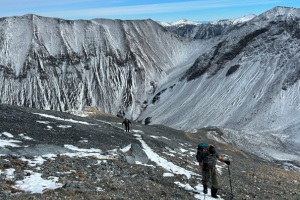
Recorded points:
(209, 160)
(201, 151)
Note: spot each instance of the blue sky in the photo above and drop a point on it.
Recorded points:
(159, 10)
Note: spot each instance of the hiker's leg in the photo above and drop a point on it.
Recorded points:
(205, 177)
(205, 189)
(205, 180)
(215, 179)
(215, 183)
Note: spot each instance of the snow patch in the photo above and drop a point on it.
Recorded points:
(34, 183)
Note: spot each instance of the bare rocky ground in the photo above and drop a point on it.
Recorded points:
(120, 177)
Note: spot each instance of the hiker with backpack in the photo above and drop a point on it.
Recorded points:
(207, 158)
(126, 122)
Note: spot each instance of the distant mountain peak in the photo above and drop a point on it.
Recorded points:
(281, 11)
(179, 23)
(236, 20)
(184, 22)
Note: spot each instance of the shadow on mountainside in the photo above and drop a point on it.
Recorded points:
(92, 157)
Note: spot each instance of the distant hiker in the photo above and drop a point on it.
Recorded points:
(126, 122)
(207, 158)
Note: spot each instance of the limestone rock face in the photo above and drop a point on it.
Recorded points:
(64, 65)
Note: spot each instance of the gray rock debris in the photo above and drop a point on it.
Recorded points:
(136, 154)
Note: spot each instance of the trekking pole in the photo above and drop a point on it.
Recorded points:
(230, 182)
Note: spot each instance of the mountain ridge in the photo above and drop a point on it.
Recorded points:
(50, 50)
(246, 84)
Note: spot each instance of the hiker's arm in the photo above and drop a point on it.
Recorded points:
(201, 164)
(221, 159)
(224, 159)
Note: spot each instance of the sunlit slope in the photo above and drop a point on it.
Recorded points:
(248, 81)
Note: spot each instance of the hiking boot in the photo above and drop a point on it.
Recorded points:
(214, 192)
(205, 189)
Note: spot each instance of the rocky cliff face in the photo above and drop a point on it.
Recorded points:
(201, 31)
(62, 65)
